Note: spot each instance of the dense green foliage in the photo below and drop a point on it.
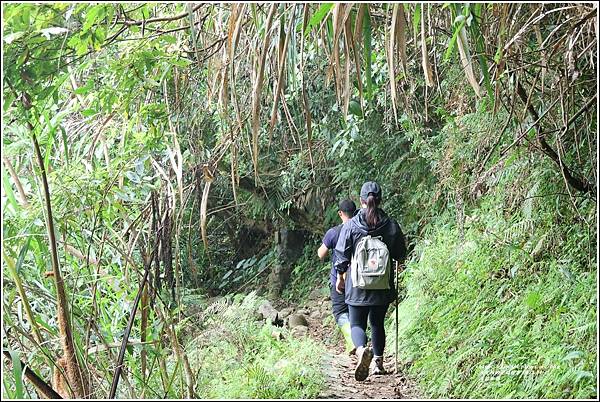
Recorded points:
(507, 311)
(178, 139)
(238, 357)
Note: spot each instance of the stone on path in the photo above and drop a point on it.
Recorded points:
(285, 312)
(297, 320)
(299, 331)
(269, 314)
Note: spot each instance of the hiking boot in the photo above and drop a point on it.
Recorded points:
(364, 355)
(378, 369)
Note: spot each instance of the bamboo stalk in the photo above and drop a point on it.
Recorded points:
(119, 363)
(143, 331)
(76, 378)
(189, 375)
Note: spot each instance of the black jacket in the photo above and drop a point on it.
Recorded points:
(352, 231)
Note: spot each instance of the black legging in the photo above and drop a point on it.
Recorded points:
(358, 326)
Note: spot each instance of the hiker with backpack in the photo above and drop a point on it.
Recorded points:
(366, 246)
(346, 210)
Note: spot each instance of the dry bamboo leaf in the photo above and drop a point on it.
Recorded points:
(78, 254)
(346, 9)
(232, 48)
(347, 45)
(231, 23)
(257, 90)
(425, 55)
(358, 27)
(391, 64)
(305, 105)
(334, 65)
(465, 58)
(341, 13)
(217, 74)
(223, 96)
(176, 163)
(227, 57)
(282, 59)
(351, 40)
(359, 22)
(401, 39)
(203, 206)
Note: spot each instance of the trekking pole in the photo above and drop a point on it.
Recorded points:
(397, 304)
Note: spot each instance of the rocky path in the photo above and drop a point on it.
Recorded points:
(338, 366)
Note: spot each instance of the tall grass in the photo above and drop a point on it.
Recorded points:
(504, 312)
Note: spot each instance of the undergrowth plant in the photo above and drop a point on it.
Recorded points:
(505, 311)
(237, 356)
(308, 274)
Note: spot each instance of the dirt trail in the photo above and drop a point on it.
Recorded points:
(341, 384)
(338, 366)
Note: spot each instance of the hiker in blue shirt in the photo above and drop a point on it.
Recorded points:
(346, 210)
(366, 246)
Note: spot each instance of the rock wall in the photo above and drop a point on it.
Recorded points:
(290, 246)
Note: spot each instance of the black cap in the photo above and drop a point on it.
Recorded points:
(348, 207)
(370, 188)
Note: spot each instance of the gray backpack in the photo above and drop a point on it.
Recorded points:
(370, 265)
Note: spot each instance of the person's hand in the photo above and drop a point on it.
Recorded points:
(340, 283)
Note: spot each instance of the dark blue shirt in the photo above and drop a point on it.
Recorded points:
(330, 240)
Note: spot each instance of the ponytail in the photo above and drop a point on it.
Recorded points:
(371, 214)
